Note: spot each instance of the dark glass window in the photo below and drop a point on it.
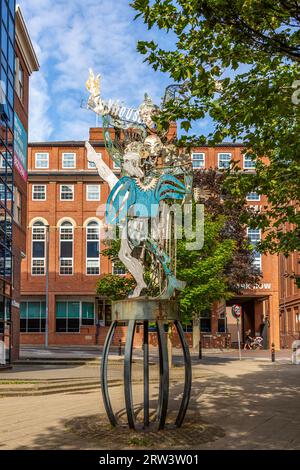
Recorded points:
(32, 317)
(68, 317)
(205, 322)
(88, 313)
(4, 41)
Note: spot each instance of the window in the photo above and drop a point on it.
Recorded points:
(224, 161)
(19, 79)
(39, 192)
(205, 322)
(17, 206)
(198, 160)
(5, 158)
(32, 317)
(68, 317)
(87, 313)
(118, 269)
(253, 196)
(42, 160)
(93, 192)
(67, 192)
(93, 249)
(91, 165)
(66, 249)
(69, 160)
(38, 249)
(222, 322)
(249, 162)
(254, 237)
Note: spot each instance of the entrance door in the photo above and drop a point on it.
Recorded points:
(248, 318)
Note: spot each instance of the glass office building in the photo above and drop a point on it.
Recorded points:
(7, 72)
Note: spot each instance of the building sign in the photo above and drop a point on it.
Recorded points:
(21, 141)
(262, 286)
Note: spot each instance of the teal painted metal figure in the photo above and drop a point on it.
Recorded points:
(155, 175)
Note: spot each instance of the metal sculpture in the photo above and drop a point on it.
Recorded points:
(155, 174)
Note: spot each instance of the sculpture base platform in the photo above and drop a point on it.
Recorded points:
(145, 309)
(137, 311)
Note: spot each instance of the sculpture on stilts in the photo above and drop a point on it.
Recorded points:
(155, 174)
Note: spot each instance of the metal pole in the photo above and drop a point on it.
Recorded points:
(47, 288)
(239, 339)
(273, 353)
(200, 348)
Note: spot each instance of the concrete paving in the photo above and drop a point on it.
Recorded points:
(256, 403)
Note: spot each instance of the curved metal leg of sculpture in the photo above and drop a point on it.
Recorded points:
(127, 373)
(104, 384)
(146, 373)
(188, 376)
(164, 375)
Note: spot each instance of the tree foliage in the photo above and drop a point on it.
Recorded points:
(239, 63)
(225, 263)
(115, 287)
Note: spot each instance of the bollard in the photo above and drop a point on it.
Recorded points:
(200, 349)
(273, 352)
(120, 347)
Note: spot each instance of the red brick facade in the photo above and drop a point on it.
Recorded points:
(259, 304)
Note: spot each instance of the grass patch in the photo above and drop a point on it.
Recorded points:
(17, 382)
(138, 442)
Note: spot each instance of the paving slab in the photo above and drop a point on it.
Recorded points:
(256, 405)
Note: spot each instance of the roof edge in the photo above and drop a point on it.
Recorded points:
(24, 42)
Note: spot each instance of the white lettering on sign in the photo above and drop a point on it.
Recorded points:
(262, 286)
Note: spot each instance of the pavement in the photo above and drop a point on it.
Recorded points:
(94, 352)
(255, 404)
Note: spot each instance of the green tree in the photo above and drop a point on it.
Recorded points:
(115, 287)
(225, 263)
(238, 61)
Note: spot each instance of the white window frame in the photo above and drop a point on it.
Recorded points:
(248, 167)
(91, 260)
(45, 192)
(38, 259)
(73, 192)
(67, 167)
(66, 259)
(117, 274)
(198, 160)
(92, 165)
(257, 259)
(46, 155)
(248, 197)
(224, 153)
(87, 192)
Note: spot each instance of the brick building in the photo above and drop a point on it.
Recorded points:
(67, 195)
(289, 295)
(18, 62)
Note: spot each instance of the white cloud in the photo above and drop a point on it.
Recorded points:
(40, 125)
(70, 36)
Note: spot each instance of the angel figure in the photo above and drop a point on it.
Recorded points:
(135, 201)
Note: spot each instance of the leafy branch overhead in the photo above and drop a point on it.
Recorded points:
(239, 61)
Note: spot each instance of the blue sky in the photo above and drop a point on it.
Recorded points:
(69, 37)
